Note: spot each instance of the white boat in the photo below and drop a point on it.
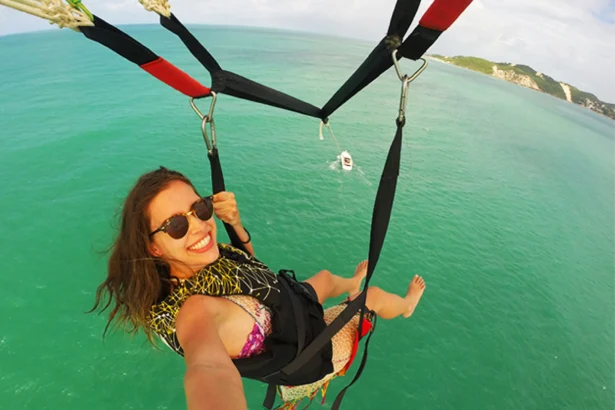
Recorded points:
(346, 160)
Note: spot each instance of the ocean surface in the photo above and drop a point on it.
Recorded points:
(505, 205)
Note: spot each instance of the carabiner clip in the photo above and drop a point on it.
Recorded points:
(403, 101)
(207, 119)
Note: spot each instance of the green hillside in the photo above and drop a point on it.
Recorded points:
(545, 83)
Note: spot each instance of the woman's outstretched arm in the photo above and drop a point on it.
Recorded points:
(212, 381)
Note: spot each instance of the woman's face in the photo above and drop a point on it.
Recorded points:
(198, 247)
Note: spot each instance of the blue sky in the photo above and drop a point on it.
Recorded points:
(570, 40)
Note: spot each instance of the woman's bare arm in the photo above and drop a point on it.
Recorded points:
(212, 381)
(243, 236)
(225, 208)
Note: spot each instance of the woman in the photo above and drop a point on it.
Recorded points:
(219, 307)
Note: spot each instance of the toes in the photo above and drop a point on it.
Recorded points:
(419, 281)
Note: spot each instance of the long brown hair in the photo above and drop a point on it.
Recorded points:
(136, 279)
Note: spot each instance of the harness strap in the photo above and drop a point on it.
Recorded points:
(217, 185)
(194, 46)
(379, 60)
(380, 222)
(325, 336)
(402, 17)
(272, 389)
(135, 52)
(288, 283)
(299, 321)
(436, 20)
(232, 84)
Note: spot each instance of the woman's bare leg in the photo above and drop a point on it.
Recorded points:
(388, 306)
(385, 304)
(328, 285)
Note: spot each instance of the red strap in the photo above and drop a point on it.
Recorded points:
(367, 326)
(442, 13)
(176, 78)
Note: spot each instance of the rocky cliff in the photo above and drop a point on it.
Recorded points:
(530, 78)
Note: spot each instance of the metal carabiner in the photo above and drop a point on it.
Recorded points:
(403, 101)
(207, 119)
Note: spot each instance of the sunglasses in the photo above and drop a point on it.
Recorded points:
(177, 225)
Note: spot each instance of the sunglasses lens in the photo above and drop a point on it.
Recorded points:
(204, 209)
(177, 227)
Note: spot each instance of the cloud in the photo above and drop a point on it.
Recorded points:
(570, 40)
(566, 39)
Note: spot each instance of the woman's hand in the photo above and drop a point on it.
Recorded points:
(225, 208)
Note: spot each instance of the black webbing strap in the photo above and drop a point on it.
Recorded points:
(440, 15)
(118, 41)
(325, 336)
(299, 321)
(232, 84)
(285, 281)
(418, 42)
(235, 85)
(130, 49)
(217, 185)
(384, 201)
(380, 223)
(196, 48)
(403, 14)
(270, 396)
(379, 60)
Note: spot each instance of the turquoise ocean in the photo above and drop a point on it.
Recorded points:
(505, 205)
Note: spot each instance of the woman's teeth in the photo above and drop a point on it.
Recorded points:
(201, 244)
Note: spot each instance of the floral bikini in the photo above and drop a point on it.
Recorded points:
(255, 344)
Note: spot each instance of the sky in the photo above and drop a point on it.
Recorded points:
(573, 41)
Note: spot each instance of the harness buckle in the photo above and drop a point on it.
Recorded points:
(405, 80)
(207, 119)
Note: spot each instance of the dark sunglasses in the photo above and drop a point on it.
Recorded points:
(177, 225)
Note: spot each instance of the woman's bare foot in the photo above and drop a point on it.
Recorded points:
(415, 291)
(359, 274)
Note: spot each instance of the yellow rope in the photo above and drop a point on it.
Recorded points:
(56, 11)
(161, 7)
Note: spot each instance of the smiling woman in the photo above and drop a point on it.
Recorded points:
(217, 305)
(226, 312)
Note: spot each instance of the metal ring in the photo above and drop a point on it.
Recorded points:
(398, 68)
(210, 115)
(406, 80)
(396, 64)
